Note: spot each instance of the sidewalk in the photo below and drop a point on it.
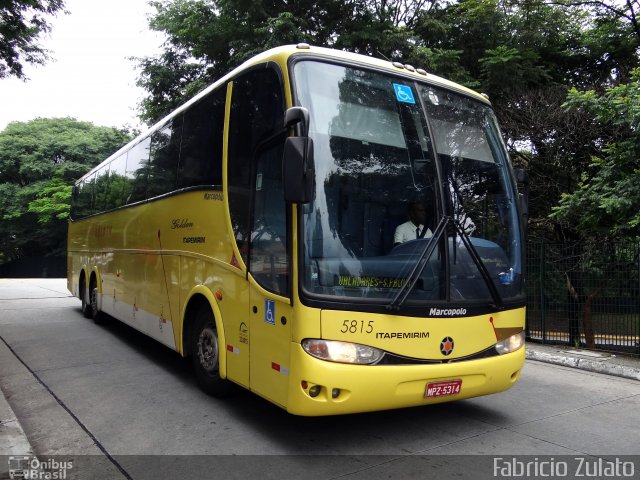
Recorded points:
(13, 440)
(592, 361)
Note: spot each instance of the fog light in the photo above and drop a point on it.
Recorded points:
(314, 391)
(335, 393)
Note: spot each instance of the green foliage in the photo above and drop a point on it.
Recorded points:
(608, 197)
(39, 161)
(53, 202)
(22, 22)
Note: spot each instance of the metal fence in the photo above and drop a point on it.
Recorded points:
(585, 295)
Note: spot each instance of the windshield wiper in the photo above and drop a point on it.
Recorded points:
(418, 268)
(475, 256)
(407, 287)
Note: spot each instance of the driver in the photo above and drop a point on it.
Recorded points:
(415, 227)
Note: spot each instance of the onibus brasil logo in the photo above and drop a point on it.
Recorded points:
(29, 467)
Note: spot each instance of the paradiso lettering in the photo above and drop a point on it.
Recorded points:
(374, 282)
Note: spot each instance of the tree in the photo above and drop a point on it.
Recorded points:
(39, 161)
(607, 202)
(22, 22)
(626, 10)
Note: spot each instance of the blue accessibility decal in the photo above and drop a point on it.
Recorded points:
(404, 93)
(270, 312)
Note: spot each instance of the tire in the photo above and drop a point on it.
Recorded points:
(205, 355)
(86, 309)
(95, 312)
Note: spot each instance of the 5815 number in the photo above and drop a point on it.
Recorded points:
(357, 326)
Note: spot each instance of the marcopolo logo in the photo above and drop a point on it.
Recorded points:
(26, 467)
(447, 312)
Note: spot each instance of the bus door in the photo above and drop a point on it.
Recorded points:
(259, 219)
(269, 278)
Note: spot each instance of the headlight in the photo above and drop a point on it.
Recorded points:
(511, 344)
(342, 352)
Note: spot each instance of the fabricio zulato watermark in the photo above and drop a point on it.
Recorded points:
(571, 467)
(29, 467)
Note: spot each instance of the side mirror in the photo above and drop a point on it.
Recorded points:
(297, 169)
(297, 159)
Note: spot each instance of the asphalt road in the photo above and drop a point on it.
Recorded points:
(123, 406)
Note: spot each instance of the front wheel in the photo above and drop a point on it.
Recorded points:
(205, 349)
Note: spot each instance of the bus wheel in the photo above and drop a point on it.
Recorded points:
(96, 314)
(205, 350)
(86, 309)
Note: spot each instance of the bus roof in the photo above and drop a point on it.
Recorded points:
(281, 55)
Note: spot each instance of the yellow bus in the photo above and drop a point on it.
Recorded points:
(265, 229)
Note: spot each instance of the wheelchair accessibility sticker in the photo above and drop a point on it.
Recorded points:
(270, 312)
(404, 93)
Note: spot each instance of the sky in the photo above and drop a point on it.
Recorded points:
(89, 76)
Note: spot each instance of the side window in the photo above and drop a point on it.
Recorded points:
(201, 147)
(101, 189)
(137, 169)
(118, 181)
(256, 135)
(163, 159)
(83, 199)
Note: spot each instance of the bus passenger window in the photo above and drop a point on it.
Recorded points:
(201, 147)
(163, 160)
(137, 169)
(117, 180)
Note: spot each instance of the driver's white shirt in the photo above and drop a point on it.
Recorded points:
(407, 231)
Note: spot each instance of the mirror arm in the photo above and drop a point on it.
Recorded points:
(297, 115)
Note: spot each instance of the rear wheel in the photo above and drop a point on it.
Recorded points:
(86, 308)
(205, 349)
(96, 314)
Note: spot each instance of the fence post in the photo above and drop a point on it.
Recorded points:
(543, 320)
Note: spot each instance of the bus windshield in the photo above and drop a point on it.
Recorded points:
(393, 158)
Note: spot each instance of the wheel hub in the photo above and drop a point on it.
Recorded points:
(208, 349)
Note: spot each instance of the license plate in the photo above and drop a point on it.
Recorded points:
(442, 389)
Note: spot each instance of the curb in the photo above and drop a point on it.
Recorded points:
(597, 366)
(13, 440)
